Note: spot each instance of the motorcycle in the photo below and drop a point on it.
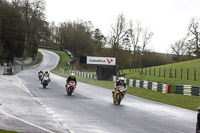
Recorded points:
(70, 87)
(40, 76)
(45, 81)
(197, 128)
(119, 94)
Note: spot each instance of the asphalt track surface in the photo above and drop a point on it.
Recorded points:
(29, 108)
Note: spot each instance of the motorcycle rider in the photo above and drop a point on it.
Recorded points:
(40, 72)
(118, 83)
(71, 78)
(46, 74)
(198, 121)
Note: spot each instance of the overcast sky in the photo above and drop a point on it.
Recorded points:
(168, 19)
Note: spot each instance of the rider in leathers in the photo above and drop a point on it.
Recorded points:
(71, 78)
(45, 74)
(118, 83)
(40, 72)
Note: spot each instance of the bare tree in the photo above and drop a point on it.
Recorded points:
(194, 33)
(126, 43)
(118, 33)
(99, 39)
(52, 28)
(179, 47)
(31, 11)
(134, 34)
(189, 49)
(147, 35)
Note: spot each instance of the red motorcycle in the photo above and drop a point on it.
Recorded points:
(70, 87)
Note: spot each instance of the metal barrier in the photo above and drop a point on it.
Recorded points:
(12, 70)
(1, 70)
(85, 75)
(20, 61)
(155, 86)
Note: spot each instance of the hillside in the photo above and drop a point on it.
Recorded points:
(186, 72)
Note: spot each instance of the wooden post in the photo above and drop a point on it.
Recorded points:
(145, 71)
(159, 71)
(175, 73)
(164, 72)
(181, 73)
(150, 71)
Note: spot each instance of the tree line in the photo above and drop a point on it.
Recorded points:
(82, 39)
(127, 42)
(190, 44)
(23, 28)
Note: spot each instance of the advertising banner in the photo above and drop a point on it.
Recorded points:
(101, 60)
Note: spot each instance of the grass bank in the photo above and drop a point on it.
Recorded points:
(39, 59)
(185, 73)
(188, 102)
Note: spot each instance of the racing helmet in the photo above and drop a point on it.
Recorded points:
(46, 72)
(72, 75)
(199, 108)
(121, 79)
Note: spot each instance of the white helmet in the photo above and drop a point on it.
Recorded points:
(121, 79)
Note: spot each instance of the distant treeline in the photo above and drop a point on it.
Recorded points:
(23, 28)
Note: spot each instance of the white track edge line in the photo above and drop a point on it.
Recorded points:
(26, 122)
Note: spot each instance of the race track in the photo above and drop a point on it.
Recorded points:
(27, 107)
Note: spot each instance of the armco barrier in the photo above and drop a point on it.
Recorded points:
(82, 74)
(188, 90)
(12, 70)
(20, 61)
(17, 66)
(195, 91)
(155, 86)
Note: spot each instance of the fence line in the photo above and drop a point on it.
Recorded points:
(82, 74)
(178, 73)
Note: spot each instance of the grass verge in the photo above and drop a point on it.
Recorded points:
(40, 57)
(3, 131)
(188, 102)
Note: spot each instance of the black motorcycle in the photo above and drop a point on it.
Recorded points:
(197, 128)
(45, 81)
(40, 76)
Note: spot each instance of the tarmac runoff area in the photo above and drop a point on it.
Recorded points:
(15, 101)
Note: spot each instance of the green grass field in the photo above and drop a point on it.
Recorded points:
(176, 79)
(188, 102)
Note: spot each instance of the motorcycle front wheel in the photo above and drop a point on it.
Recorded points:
(44, 86)
(119, 99)
(114, 102)
(70, 92)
